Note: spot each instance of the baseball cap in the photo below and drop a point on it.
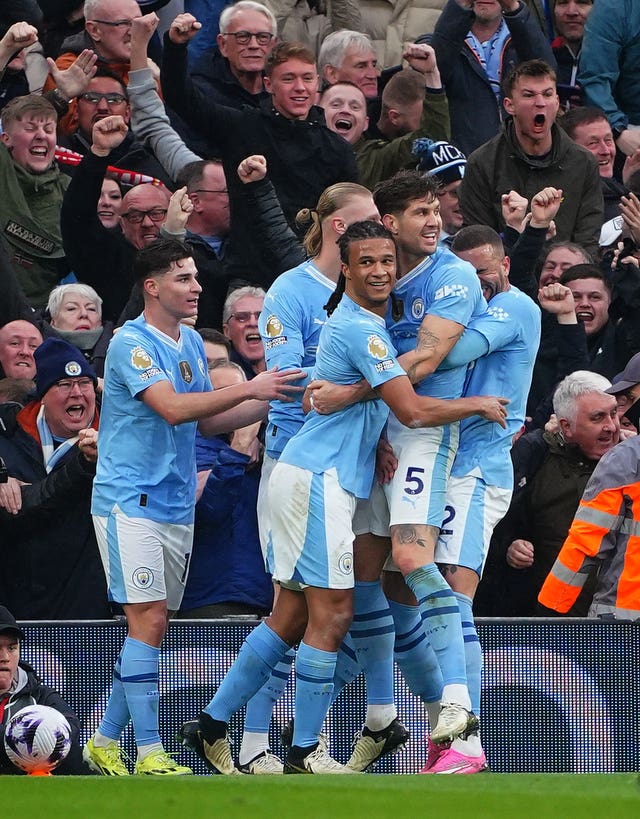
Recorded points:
(8, 623)
(628, 378)
(611, 231)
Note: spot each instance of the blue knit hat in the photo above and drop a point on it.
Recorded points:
(57, 359)
(440, 159)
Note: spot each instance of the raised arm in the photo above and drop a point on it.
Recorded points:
(197, 109)
(279, 243)
(149, 119)
(527, 37)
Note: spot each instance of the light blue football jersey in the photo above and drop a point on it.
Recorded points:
(511, 327)
(441, 285)
(290, 323)
(354, 344)
(145, 465)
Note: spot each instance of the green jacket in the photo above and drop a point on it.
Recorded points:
(500, 165)
(379, 159)
(30, 223)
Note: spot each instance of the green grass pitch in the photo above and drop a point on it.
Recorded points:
(513, 796)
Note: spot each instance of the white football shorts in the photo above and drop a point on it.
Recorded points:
(144, 560)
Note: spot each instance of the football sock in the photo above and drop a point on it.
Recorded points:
(380, 716)
(255, 738)
(443, 627)
(259, 655)
(253, 744)
(347, 666)
(373, 637)
(314, 685)
(116, 716)
(414, 654)
(145, 750)
(471, 746)
(472, 650)
(139, 673)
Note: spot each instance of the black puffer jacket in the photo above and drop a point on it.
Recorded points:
(31, 691)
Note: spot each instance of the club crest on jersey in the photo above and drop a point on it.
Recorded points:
(142, 577)
(377, 347)
(185, 371)
(345, 563)
(417, 308)
(140, 358)
(72, 368)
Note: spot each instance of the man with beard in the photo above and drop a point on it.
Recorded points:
(529, 154)
(106, 95)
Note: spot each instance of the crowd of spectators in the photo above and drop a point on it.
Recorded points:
(113, 116)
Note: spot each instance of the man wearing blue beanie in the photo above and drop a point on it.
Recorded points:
(50, 563)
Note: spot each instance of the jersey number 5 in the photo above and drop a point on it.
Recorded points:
(414, 484)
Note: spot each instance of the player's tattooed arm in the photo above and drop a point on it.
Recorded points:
(435, 338)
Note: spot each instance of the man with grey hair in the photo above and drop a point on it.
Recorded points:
(551, 471)
(232, 72)
(242, 310)
(349, 56)
(107, 32)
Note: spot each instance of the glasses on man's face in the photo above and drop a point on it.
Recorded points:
(136, 216)
(66, 385)
(115, 23)
(244, 316)
(94, 97)
(262, 38)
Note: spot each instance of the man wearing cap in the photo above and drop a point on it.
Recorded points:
(626, 388)
(446, 163)
(20, 687)
(51, 568)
